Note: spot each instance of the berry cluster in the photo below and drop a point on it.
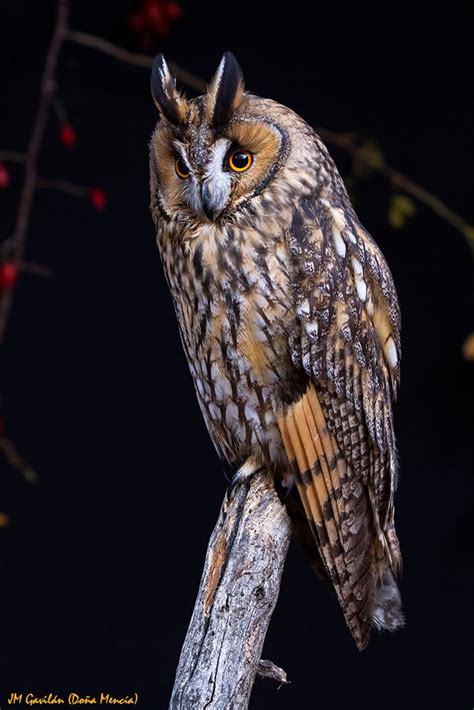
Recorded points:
(153, 20)
(8, 275)
(67, 135)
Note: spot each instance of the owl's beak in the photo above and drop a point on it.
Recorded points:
(208, 209)
(208, 202)
(213, 199)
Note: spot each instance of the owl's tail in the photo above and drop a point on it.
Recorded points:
(387, 613)
(337, 509)
(387, 610)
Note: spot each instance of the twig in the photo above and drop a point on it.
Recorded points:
(31, 267)
(346, 143)
(61, 33)
(139, 60)
(267, 669)
(17, 461)
(60, 110)
(236, 598)
(341, 140)
(34, 147)
(69, 188)
(12, 156)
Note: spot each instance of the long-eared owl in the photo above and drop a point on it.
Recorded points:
(290, 323)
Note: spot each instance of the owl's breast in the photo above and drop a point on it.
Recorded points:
(235, 308)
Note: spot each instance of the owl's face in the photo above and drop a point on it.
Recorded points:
(211, 157)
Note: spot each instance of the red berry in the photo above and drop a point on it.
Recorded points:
(4, 176)
(136, 22)
(173, 10)
(8, 275)
(97, 198)
(154, 13)
(67, 135)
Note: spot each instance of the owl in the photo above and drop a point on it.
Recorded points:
(290, 323)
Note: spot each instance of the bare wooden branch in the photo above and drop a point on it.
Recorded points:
(341, 140)
(12, 156)
(35, 269)
(134, 58)
(267, 669)
(69, 188)
(61, 33)
(16, 460)
(345, 142)
(238, 592)
(18, 239)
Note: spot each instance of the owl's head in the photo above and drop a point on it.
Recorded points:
(213, 156)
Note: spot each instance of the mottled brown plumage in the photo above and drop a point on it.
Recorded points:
(289, 319)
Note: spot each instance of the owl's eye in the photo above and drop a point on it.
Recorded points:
(240, 160)
(181, 168)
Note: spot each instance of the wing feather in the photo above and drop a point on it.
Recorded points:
(336, 507)
(339, 435)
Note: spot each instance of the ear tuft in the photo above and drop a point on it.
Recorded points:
(225, 92)
(165, 94)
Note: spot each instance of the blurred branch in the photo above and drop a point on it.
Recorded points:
(69, 188)
(139, 60)
(341, 140)
(12, 156)
(60, 110)
(31, 267)
(16, 243)
(345, 142)
(48, 86)
(17, 461)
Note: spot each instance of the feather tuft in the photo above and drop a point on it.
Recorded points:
(166, 96)
(388, 614)
(225, 92)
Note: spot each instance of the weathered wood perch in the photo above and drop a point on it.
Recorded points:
(237, 595)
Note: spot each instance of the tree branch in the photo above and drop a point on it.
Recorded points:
(30, 178)
(16, 460)
(12, 156)
(398, 179)
(134, 58)
(341, 140)
(237, 595)
(69, 188)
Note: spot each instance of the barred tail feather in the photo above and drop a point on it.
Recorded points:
(336, 508)
(388, 612)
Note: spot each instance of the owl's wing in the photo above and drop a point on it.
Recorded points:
(339, 435)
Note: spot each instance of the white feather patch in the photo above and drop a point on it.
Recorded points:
(338, 218)
(357, 267)
(216, 181)
(312, 330)
(361, 286)
(339, 241)
(303, 309)
(390, 351)
(231, 415)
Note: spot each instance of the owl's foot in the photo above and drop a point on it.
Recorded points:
(244, 474)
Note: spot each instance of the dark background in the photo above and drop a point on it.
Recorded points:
(103, 557)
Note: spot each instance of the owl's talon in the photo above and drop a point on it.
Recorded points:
(243, 475)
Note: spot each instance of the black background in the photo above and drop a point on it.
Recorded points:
(103, 558)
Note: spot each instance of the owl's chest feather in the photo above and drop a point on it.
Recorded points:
(235, 309)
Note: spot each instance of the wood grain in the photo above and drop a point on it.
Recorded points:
(237, 595)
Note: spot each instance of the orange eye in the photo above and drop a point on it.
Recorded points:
(240, 160)
(181, 168)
